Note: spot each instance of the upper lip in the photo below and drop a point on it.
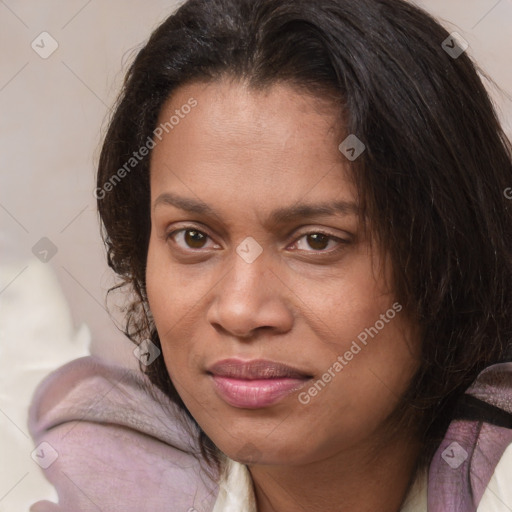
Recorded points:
(255, 369)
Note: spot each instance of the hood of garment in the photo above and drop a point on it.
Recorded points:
(108, 440)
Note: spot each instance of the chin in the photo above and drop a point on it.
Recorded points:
(266, 452)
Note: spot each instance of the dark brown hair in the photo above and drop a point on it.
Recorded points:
(430, 182)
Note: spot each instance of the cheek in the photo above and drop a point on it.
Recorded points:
(379, 353)
(347, 302)
(158, 284)
(174, 299)
(357, 400)
(174, 293)
(167, 307)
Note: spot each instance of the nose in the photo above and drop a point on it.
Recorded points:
(250, 297)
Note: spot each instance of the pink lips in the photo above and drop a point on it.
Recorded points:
(255, 384)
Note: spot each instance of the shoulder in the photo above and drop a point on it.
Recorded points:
(97, 427)
(471, 469)
(494, 388)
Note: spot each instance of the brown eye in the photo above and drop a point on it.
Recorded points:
(190, 238)
(194, 239)
(318, 241)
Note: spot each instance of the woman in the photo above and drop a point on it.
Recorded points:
(306, 200)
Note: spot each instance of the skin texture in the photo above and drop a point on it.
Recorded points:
(302, 302)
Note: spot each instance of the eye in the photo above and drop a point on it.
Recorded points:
(319, 242)
(190, 238)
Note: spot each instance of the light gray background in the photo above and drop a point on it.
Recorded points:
(53, 115)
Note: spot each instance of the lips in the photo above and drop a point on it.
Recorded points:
(255, 384)
(255, 369)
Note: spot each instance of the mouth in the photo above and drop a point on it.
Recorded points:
(255, 384)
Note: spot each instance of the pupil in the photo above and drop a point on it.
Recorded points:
(318, 241)
(196, 240)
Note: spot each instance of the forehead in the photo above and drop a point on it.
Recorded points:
(237, 142)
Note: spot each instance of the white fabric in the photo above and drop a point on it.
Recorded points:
(36, 336)
(416, 500)
(498, 495)
(237, 495)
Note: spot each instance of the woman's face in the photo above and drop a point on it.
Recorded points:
(256, 256)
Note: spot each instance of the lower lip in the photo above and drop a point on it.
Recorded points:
(255, 394)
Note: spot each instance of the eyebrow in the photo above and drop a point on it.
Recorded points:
(276, 217)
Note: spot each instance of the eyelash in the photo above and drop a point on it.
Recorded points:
(341, 242)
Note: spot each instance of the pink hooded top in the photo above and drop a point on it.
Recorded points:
(110, 441)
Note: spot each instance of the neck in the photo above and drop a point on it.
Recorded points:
(357, 480)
